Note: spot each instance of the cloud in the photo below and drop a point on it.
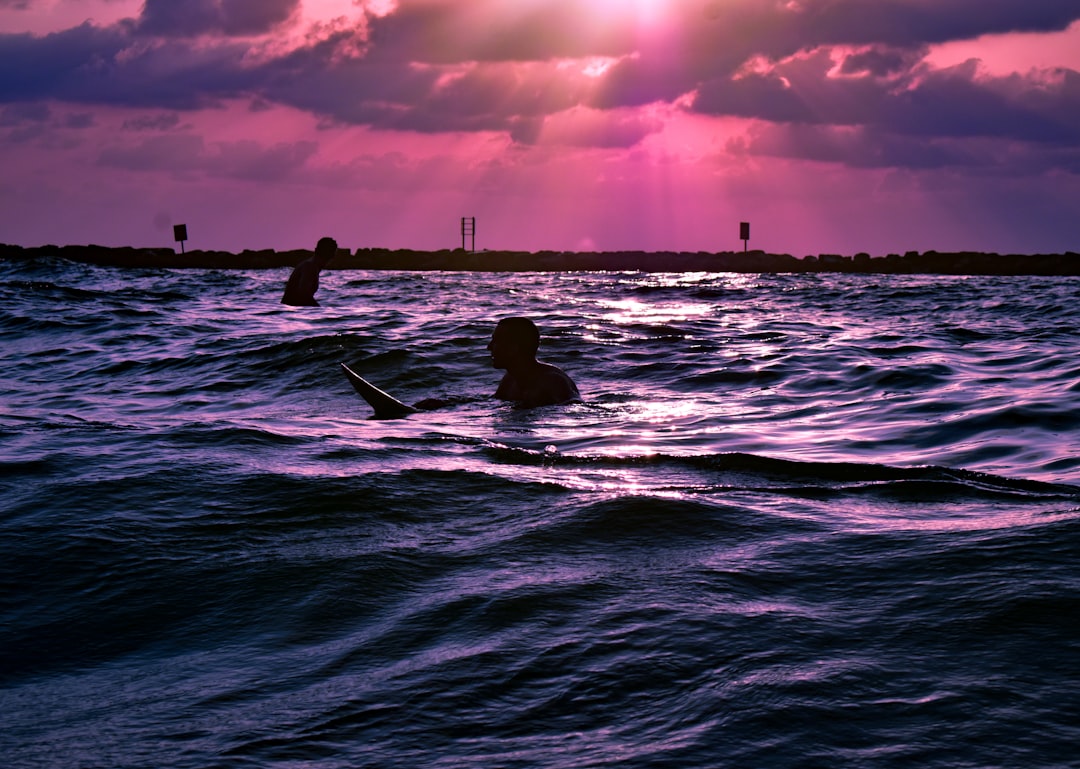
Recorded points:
(697, 33)
(447, 32)
(699, 48)
(957, 103)
(36, 68)
(433, 66)
(882, 61)
(951, 103)
(189, 18)
(112, 66)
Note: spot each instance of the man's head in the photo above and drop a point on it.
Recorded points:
(326, 249)
(515, 339)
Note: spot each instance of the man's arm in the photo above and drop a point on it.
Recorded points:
(302, 285)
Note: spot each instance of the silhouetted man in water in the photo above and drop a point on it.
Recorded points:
(304, 280)
(527, 381)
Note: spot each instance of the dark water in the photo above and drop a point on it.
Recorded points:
(801, 521)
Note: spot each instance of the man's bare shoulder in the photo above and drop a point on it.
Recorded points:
(557, 386)
(548, 386)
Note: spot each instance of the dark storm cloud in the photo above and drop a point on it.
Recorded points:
(913, 23)
(44, 67)
(881, 61)
(188, 18)
(954, 103)
(947, 103)
(376, 89)
(93, 65)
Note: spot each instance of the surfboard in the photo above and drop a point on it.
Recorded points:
(386, 406)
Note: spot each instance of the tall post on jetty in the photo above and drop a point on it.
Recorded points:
(468, 229)
(744, 234)
(179, 232)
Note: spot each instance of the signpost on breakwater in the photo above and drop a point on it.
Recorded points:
(180, 235)
(744, 234)
(468, 230)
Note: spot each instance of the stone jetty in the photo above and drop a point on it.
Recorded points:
(912, 262)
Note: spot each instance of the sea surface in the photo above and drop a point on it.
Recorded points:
(812, 520)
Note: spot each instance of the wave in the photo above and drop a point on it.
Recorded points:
(737, 471)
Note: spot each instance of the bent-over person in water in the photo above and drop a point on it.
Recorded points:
(304, 280)
(528, 382)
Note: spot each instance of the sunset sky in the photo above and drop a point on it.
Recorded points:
(833, 126)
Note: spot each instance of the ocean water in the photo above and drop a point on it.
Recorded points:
(799, 521)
